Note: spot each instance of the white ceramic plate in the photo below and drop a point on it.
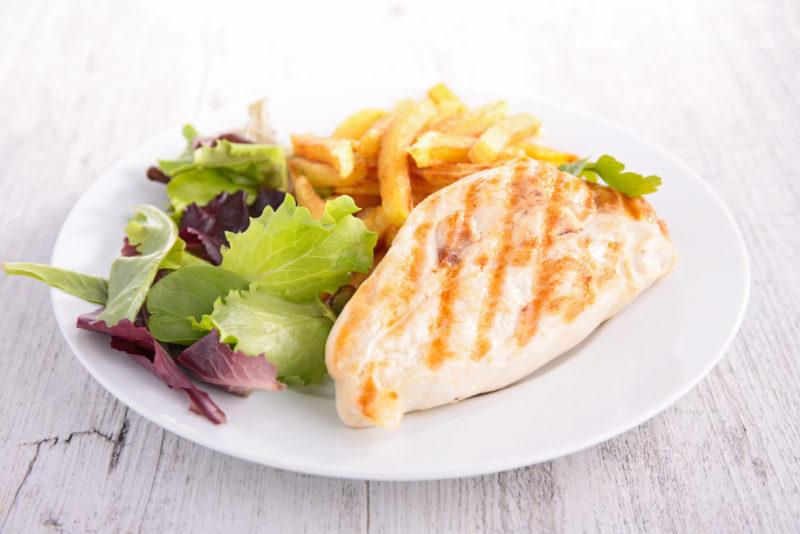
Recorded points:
(627, 371)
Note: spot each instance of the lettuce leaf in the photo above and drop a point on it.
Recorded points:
(203, 227)
(188, 292)
(291, 334)
(154, 234)
(201, 173)
(215, 363)
(178, 256)
(84, 286)
(293, 255)
(200, 186)
(267, 197)
(133, 338)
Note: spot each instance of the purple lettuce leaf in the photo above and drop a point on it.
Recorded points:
(216, 363)
(211, 141)
(203, 227)
(266, 197)
(135, 339)
(157, 175)
(128, 249)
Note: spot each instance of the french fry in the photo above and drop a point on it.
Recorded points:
(374, 219)
(441, 93)
(543, 153)
(363, 201)
(473, 121)
(369, 144)
(336, 152)
(492, 142)
(511, 152)
(420, 189)
(433, 148)
(443, 175)
(368, 187)
(447, 111)
(324, 175)
(354, 126)
(393, 177)
(307, 197)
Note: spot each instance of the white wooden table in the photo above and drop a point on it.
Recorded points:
(716, 82)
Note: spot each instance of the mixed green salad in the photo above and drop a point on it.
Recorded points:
(233, 283)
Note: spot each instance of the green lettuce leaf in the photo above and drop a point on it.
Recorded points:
(189, 133)
(178, 257)
(189, 292)
(611, 172)
(153, 233)
(200, 186)
(291, 254)
(291, 334)
(84, 286)
(199, 175)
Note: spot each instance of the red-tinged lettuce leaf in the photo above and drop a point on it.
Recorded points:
(203, 227)
(128, 250)
(157, 175)
(135, 333)
(216, 363)
(266, 197)
(212, 141)
(134, 339)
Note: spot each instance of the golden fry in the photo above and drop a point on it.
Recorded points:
(443, 175)
(367, 156)
(447, 111)
(374, 219)
(543, 153)
(473, 121)
(307, 197)
(362, 201)
(369, 144)
(492, 142)
(433, 148)
(324, 175)
(369, 187)
(441, 93)
(354, 126)
(393, 175)
(365, 201)
(336, 152)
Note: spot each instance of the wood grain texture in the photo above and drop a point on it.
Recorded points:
(714, 82)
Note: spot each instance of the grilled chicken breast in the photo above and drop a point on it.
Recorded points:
(489, 279)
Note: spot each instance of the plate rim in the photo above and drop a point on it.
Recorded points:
(461, 470)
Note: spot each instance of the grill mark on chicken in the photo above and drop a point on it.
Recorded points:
(507, 253)
(368, 394)
(570, 305)
(415, 265)
(418, 254)
(459, 236)
(399, 293)
(530, 314)
(374, 396)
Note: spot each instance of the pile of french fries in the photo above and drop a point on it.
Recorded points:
(388, 161)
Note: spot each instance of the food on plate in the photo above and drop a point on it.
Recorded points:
(495, 252)
(488, 280)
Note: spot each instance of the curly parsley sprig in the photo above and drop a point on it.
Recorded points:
(611, 172)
